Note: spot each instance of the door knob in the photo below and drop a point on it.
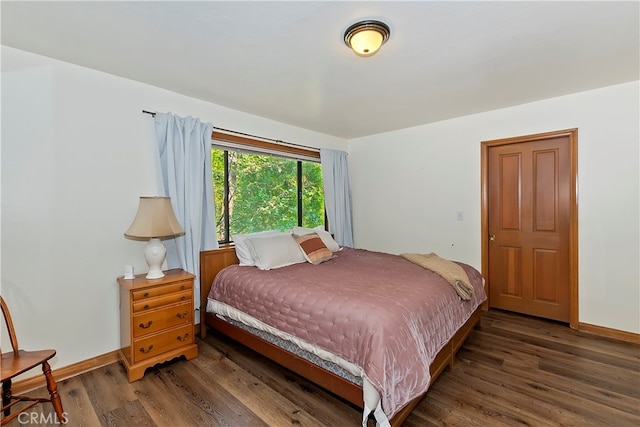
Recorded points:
(492, 237)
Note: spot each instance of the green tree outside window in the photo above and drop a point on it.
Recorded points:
(265, 192)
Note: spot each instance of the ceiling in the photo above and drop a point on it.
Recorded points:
(287, 60)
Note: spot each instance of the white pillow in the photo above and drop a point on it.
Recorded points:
(275, 251)
(242, 250)
(324, 235)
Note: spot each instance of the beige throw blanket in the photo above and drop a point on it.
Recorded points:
(448, 270)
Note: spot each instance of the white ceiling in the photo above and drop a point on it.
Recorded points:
(287, 60)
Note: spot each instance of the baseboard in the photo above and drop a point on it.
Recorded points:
(29, 384)
(609, 333)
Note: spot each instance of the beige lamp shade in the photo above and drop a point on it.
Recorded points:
(155, 218)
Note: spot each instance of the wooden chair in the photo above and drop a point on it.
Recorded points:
(18, 361)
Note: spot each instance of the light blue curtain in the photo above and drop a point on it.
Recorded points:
(337, 195)
(184, 148)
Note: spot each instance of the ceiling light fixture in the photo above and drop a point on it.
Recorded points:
(366, 37)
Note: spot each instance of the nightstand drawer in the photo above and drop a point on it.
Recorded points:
(163, 300)
(156, 320)
(163, 342)
(161, 290)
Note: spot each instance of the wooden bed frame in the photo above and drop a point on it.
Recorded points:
(212, 261)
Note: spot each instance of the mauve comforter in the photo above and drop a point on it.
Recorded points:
(379, 311)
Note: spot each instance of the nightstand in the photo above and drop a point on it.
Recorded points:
(156, 320)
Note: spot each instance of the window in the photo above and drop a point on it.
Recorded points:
(258, 188)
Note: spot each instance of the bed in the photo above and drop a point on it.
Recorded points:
(361, 380)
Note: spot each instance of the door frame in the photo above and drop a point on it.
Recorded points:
(572, 134)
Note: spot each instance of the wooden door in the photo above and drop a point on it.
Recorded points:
(530, 215)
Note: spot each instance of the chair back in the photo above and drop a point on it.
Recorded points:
(7, 320)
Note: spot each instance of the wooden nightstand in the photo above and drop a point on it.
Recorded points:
(156, 320)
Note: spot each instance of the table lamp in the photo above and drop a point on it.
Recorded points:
(154, 220)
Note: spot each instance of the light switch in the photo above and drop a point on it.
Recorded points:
(460, 215)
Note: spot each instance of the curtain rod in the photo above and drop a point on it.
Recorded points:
(279, 141)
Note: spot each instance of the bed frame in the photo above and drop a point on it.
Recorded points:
(212, 261)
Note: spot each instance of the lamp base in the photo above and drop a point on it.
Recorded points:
(154, 253)
(154, 274)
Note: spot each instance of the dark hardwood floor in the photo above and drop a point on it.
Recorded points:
(512, 371)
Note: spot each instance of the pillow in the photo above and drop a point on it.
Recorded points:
(313, 248)
(328, 241)
(275, 251)
(242, 250)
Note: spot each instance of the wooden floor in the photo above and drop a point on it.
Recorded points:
(512, 371)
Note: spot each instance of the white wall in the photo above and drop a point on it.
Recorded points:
(77, 152)
(407, 186)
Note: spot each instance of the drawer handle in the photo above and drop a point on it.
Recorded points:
(182, 315)
(183, 338)
(146, 306)
(182, 287)
(142, 350)
(183, 298)
(148, 324)
(146, 294)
